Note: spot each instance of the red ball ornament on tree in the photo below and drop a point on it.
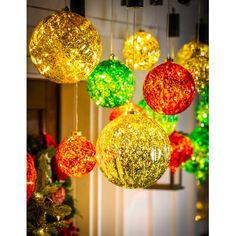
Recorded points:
(75, 155)
(31, 176)
(169, 88)
(59, 196)
(181, 150)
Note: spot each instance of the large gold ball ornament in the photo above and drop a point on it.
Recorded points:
(133, 151)
(141, 51)
(187, 50)
(65, 47)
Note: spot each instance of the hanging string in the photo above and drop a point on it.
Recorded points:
(134, 16)
(127, 22)
(76, 88)
(111, 30)
(167, 29)
(198, 20)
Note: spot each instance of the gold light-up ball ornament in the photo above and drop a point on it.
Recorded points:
(125, 110)
(187, 50)
(75, 155)
(65, 47)
(141, 51)
(168, 88)
(133, 151)
(198, 66)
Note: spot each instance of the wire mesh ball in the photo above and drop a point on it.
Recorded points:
(76, 155)
(141, 51)
(65, 47)
(168, 123)
(181, 150)
(133, 151)
(198, 164)
(198, 66)
(168, 88)
(125, 109)
(31, 176)
(187, 50)
(111, 84)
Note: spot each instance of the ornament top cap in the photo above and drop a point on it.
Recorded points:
(169, 59)
(113, 57)
(75, 132)
(66, 8)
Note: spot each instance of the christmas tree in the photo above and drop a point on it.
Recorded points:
(50, 206)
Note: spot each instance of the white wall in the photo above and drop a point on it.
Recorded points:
(110, 210)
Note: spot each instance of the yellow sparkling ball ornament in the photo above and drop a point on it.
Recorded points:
(65, 47)
(133, 151)
(198, 66)
(187, 50)
(141, 51)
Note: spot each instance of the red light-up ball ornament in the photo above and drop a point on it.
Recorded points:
(181, 150)
(31, 176)
(125, 109)
(75, 155)
(169, 88)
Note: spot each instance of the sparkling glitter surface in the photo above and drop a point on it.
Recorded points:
(76, 155)
(145, 52)
(181, 150)
(168, 123)
(198, 163)
(168, 88)
(111, 84)
(31, 176)
(199, 69)
(65, 47)
(202, 113)
(133, 151)
(125, 109)
(187, 50)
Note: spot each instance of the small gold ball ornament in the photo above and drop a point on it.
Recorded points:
(187, 50)
(133, 151)
(65, 47)
(141, 51)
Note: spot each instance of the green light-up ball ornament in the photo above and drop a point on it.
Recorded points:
(202, 113)
(111, 84)
(198, 164)
(168, 123)
(133, 151)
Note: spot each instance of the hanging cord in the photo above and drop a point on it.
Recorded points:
(167, 29)
(111, 32)
(127, 22)
(134, 16)
(198, 20)
(76, 88)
